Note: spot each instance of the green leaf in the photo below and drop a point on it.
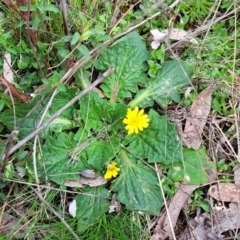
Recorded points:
(26, 116)
(158, 142)
(46, 18)
(67, 38)
(63, 53)
(75, 38)
(62, 88)
(126, 56)
(205, 206)
(2, 103)
(51, 8)
(137, 186)
(3, 197)
(84, 50)
(91, 205)
(82, 78)
(173, 75)
(56, 156)
(21, 155)
(36, 21)
(57, 125)
(94, 111)
(80, 135)
(195, 164)
(2, 148)
(33, 8)
(100, 152)
(117, 114)
(193, 168)
(63, 98)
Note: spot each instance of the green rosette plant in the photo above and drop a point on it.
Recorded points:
(115, 136)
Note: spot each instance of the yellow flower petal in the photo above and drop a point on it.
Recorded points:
(112, 171)
(125, 120)
(140, 113)
(136, 120)
(108, 175)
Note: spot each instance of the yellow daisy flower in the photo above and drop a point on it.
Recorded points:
(136, 120)
(112, 171)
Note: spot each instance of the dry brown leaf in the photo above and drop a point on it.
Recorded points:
(115, 205)
(158, 37)
(196, 119)
(226, 192)
(163, 229)
(212, 225)
(6, 218)
(10, 4)
(237, 174)
(7, 229)
(8, 226)
(88, 173)
(7, 70)
(22, 97)
(15, 227)
(23, 14)
(92, 182)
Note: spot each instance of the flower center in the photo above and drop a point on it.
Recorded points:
(110, 167)
(134, 122)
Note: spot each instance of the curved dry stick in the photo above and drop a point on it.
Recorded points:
(60, 111)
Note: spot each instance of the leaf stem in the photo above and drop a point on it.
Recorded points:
(139, 98)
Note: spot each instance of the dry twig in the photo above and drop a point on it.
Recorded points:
(57, 114)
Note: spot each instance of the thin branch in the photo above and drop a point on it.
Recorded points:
(122, 17)
(49, 104)
(203, 28)
(29, 34)
(60, 111)
(233, 70)
(107, 43)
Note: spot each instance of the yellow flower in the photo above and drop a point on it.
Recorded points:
(112, 171)
(136, 120)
